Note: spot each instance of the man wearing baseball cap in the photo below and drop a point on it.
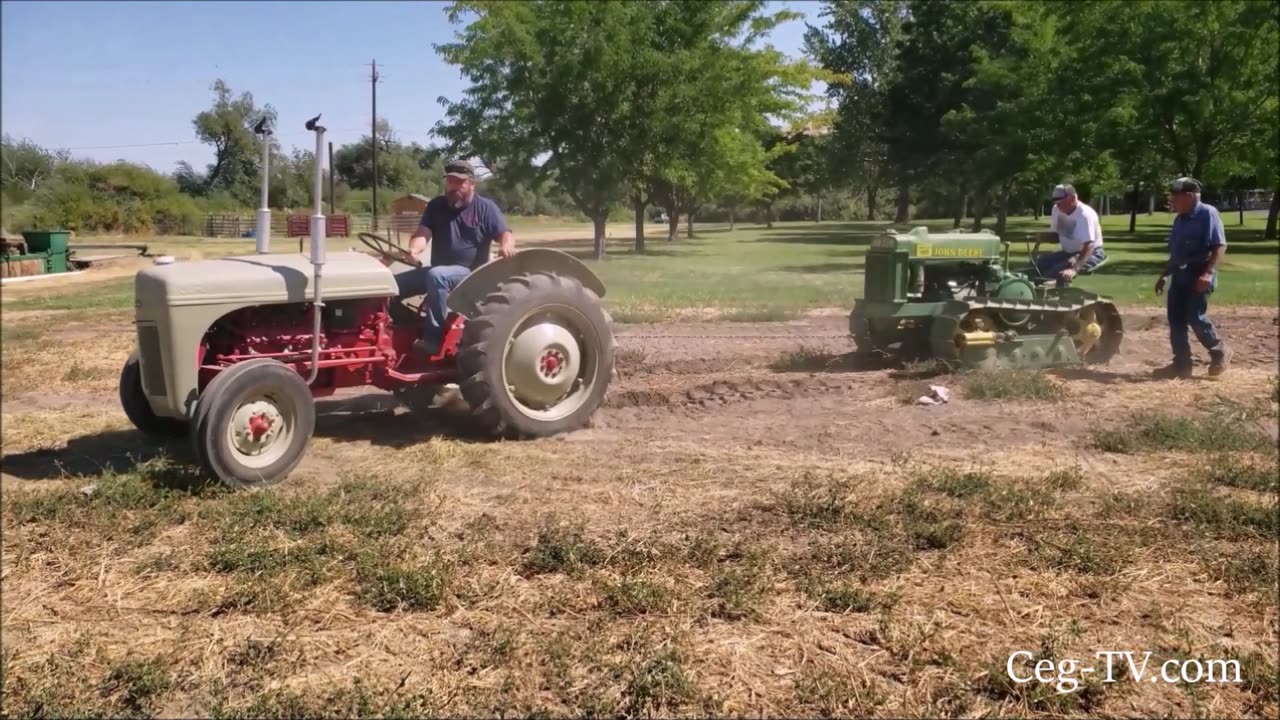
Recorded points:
(1196, 244)
(1079, 237)
(460, 226)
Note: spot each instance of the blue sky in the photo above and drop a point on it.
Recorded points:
(95, 76)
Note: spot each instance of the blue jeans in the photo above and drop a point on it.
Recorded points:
(434, 282)
(1187, 307)
(1050, 265)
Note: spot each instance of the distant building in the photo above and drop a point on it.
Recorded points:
(407, 210)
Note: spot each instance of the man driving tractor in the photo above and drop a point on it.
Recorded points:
(1078, 233)
(463, 226)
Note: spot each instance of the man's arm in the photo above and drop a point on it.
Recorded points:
(1082, 228)
(1217, 247)
(500, 232)
(1217, 243)
(418, 241)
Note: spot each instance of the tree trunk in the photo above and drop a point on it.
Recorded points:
(598, 222)
(673, 223)
(731, 218)
(819, 208)
(871, 202)
(688, 224)
(962, 209)
(1240, 204)
(1003, 214)
(904, 202)
(1270, 233)
(1133, 207)
(768, 215)
(639, 206)
(1151, 204)
(979, 209)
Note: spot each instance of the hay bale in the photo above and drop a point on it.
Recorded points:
(21, 268)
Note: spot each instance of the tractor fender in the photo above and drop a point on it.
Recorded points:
(465, 299)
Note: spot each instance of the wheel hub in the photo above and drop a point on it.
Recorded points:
(255, 427)
(542, 364)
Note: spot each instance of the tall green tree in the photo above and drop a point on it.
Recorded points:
(548, 79)
(228, 127)
(858, 41)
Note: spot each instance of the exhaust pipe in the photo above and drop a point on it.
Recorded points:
(262, 231)
(317, 246)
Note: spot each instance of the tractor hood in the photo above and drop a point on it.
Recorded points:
(262, 279)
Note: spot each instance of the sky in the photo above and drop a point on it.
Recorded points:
(123, 80)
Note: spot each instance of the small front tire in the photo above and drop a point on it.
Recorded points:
(254, 423)
(134, 402)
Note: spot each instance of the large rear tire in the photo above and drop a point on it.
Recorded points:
(253, 424)
(538, 359)
(134, 401)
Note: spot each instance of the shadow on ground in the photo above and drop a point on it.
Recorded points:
(1104, 377)
(115, 451)
(373, 418)
(365, 418)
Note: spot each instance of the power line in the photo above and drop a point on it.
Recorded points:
(175, 142)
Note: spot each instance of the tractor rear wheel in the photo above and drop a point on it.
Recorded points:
(134, 401)
(253, 423)
(538, 358)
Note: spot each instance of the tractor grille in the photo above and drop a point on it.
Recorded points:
(152, 360)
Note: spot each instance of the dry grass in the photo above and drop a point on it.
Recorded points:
(876, 589)
(687, 564)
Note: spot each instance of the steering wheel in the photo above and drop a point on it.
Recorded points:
(389, 250)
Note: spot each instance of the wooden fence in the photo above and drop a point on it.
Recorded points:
(297, 224)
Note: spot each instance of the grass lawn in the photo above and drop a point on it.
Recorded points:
(753, 273)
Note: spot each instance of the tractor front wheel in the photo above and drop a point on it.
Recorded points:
(538, 358)
(253, 423)
(134, 401)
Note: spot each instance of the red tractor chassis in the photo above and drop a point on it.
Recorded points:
(360, 345)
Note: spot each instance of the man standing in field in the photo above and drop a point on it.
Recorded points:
(1197, 242)
(1079, 236)
(460, 227)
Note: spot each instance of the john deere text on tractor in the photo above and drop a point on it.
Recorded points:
(231, 351)
(949, 297)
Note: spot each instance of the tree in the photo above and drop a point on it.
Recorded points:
(1199, 76)
(548, 78)
(25, 167)
(228, 126)
(715, 110)
(858, 42)
(409, 168)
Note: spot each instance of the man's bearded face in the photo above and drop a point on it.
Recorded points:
(458, 191)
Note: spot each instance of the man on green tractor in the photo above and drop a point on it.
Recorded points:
(460, 226)
(1079, 236)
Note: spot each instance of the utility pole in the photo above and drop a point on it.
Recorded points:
(373, 137)
(330, 177)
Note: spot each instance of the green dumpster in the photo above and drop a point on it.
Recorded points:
(52, 244)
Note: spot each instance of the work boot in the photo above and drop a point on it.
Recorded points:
(426, 347)
(1172, 371)
(1219, 358)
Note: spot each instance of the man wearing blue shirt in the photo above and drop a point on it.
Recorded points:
(460, 227)
(1196, 244)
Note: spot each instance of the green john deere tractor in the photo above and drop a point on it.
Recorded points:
(951, 297)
